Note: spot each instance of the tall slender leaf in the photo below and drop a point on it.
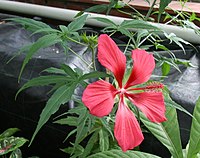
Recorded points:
(103, 140)
(42, 42)
(68, 70)
(106, 21)
(54, 70)
(194, 143)
(60, 96)
(90, 144)
(120, 154)
(30, 24)
(77, 23)
(137, 24)
(167, 132)
(44, 80)
(163, 5)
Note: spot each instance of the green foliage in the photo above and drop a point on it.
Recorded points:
(162, 5)
(51, 36)
(119, 154)
(30, 24)
(42, 42)
(194, 142)
(171, 103)
(173, 38)
(11, 144)
(65, 81)
(167, 132)
(94, 136)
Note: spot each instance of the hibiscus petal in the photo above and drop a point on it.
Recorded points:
(98, 97)
(143, 66)
(110, 56)
(151, 104)
(127, 130)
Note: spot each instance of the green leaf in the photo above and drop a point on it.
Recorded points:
(163, 5)
(165, 69)
(106, 21)
(77, 23)
(94, 74)
(97, 8)
(194, 142)
(81, 128)
(46, 31)
(126, 32)
(103, 140)
(68, 70)
(44, 80)
(90, 144)
(70, 121)
(60, 96)
(173, 38)
(120, 154)
(54, 70)
(42, 42)
(30, 24)
(11, 144)
(137, 24)
(171, 103)
(78, 151)
(167, 132)
(70, 134)
(9, 132)
(16, 154)
(64, 28)
(77, 110)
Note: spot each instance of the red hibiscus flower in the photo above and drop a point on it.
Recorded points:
(99, 97)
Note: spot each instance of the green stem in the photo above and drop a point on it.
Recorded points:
(135, 10)
(80, 57)
(150, 10)
(127, 45)
(73, 40)
(144, 40)
(112, 33)
(93, 58)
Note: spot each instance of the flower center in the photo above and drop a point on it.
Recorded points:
(122, 91)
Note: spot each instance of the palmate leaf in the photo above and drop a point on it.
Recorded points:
(44, 80)
(120, 154)
(194, 142)
(30, 24)
(77, 23)
(70, 121)
(46, 31)
(90, 144)
(60, 96)
(173, 38)
(42, 42)
(167, 132)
